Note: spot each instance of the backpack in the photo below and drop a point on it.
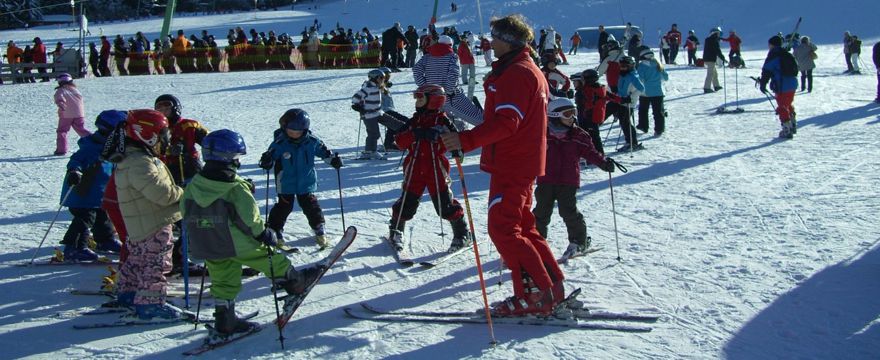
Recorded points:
(788, 64)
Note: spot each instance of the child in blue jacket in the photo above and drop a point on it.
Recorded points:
(83, 190)
(652, 74)
(629, 88)
(295, 150)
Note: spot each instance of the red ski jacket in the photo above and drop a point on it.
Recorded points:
(427, 151)
(513, 134)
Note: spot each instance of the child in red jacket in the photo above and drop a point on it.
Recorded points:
(426, 166)
(595, 104)
(566, 145)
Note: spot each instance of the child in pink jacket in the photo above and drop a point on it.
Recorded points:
(70, 112)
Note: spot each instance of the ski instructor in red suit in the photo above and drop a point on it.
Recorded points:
(513, 136)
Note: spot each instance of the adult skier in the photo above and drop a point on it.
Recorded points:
(514, 142)
(711, 54)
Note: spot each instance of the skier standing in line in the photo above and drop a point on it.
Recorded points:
(781, 70)
(711, 54)
(148, 199)
(566, 145)
(296, 150)
(514, 142)
(368, 103)
(227, 230)
(652, 74)
(70, 112)
(86, 179)
(426, 166)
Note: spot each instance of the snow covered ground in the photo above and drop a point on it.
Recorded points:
(747, 246)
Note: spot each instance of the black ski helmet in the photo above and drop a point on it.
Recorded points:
(591, 76)
(175, 106)
(295, 119)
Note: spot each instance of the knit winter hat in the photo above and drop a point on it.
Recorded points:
(775, 41)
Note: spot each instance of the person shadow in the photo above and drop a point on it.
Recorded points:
(830, 315)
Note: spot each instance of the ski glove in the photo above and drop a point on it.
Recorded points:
(429, 134)
(570, 93)
(268, 238)
(74, 177)
(608, 165)
(764, 88)
(626, 100)
(358, 107)
(251, 186)
(336, 161)
(266, 161)
(176, 149)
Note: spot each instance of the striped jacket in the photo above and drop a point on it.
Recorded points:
(370, 96)
(439, 66)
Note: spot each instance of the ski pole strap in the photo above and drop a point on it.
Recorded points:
(619, 166)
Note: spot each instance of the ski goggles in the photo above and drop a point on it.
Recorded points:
(564, 114)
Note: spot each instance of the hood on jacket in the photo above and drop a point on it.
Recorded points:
(439, 49)
(205, 191)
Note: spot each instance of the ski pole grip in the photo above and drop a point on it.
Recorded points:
(455, 153)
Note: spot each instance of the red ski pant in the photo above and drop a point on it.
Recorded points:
(785, 107)
(512, 229)
(115, 215)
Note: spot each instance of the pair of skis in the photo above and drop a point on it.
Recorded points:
(570, 314)
(403, 257)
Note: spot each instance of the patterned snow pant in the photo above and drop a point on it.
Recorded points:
(144, 270)
(64, 125)
(512, 230)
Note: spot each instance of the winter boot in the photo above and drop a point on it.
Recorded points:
(396, 239)
(159, 312)
(320, 239)
(111, 246)
(297, 281)
(460, 235)
(225, 320)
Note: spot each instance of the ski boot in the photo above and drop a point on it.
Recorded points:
(73, 254)
(793, 123)
(123, 300)
(226, 322)
(161, 313)
(110, 246)
(535, 301)
(396, 239)
(460, 235)
(320, 238)
(786, 132)
(296, 282)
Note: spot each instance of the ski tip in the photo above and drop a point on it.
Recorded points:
(426, 265)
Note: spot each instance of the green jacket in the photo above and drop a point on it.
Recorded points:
(221, 219)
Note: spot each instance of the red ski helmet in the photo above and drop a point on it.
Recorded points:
(147, 127)
(435, 94)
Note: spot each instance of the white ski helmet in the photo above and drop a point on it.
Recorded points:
(561, 108)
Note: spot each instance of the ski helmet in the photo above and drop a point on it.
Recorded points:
(435, 93)
(549, 58)
(612, 44)
(376, 74)
(108, 120)
(577, 77)
(385, 71)
(715, 30)
(646, 54)
(223, 145)
(170, 100)
(590, 76)
(627, 60)
(296, 119)
(560, 108)
(64, 78)
(147, 126)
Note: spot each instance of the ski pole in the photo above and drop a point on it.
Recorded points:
(275, 295)
(736, 79)
(184, 244)
(201, 291)
(724, 80)
(406, 180)
(341, 208)
(267, 198)
(470, 216)
(613, 208)
(61, 206)
(438, 205)
(360, 124)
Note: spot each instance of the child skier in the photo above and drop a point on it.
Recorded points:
(84, 185)
(227, 230)
(566, 145)
(629, 89)
(652, 74)
(368, 103)
(296, 150)
(559, 83)
(70, 112)
(181, 154)
(592, 100)
(148, 199)
(426, 166)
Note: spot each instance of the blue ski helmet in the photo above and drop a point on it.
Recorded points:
(296, 119)
(223, 145)
(107, 120)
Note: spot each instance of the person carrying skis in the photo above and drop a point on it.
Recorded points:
(691, 45)
(781, 70)
(652, 74)
(630, 88)
(610, 67)
(368, 103)
(84, 184)
(426, 166)
(70, 112)
(591, 100)
(296, 150)
(514, 142)
(566, 145)
(227, 231)
(711, 54)
(148, 199)
(558, 83)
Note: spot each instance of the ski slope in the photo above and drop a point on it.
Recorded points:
(748, 247)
